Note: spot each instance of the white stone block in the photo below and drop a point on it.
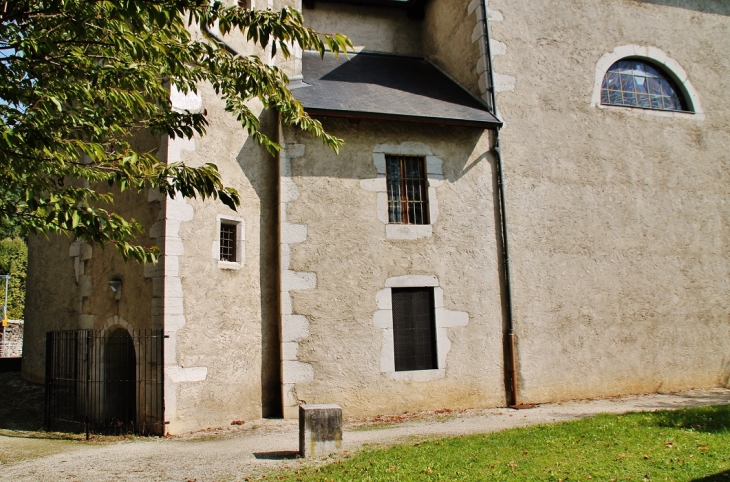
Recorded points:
(85, 286)
(188, 374)
(504, 83)
(179, 210)
(404, 149)
(294, 150)
(382, 207)
(174, 322)
(293, 233)
(174, 306)
(86, 322)
(433, 208)
(294, 327)
(170, 349)
(286, 304)
(411, 281)
(296, 372)
(297, 280)
(438, 297)
(289, 350)
(86, 251)
(408, 231)
(173, 246)
(288, 190)
(378, 184)
(434, 165)
(74, 249)
(284, 256)
(447, 318)
(379, 161)
(172, 266)
(192, 101)
(173, 287)
(156, 230)
(384, 299)
(497, 47)
(473, 5)
(387, 354)
(176, 146)
(478, 31)
(383, 318)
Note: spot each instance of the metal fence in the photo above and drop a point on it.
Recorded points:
(105, 382)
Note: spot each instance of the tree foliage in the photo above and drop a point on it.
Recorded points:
(80, 78)
(13, 261)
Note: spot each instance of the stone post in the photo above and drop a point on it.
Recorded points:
(320, 429)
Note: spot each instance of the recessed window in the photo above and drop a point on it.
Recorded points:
(414, 329)
(635, 83)
(228, 242)
(407, 189)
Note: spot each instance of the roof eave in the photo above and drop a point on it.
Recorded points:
(349, 114)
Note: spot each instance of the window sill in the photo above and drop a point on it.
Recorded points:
(418, 375)
(408, 231)
(229, 265)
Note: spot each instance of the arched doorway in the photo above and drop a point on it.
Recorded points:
(120, 394)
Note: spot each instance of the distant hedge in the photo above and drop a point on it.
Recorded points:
(13, 261)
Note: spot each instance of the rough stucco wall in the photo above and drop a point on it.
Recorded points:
(346, 248)
(230, 315)
(66, 292)
(618, 219)
(49, 300)
(386, 30)
(451, 33)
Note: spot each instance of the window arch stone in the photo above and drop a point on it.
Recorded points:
(659, 58)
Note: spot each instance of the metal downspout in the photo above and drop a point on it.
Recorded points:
(510, 337)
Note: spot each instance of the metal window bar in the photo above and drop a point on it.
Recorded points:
(228, 242)
(105, 383)
(407, 189)
(414, 329)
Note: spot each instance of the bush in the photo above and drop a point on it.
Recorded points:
(13, 261)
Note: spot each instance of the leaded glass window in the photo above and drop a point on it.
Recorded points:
(635, 83)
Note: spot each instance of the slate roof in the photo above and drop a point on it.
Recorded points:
(388, 87)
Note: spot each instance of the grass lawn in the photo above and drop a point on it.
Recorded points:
(683, 445)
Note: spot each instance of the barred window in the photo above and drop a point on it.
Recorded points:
(635, 83)
(414, 329)
(228, 242)
(407, 189)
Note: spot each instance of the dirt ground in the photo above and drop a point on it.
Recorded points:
(249, 451)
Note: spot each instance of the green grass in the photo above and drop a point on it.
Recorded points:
(683, 445)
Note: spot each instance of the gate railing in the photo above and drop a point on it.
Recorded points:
(105, 382)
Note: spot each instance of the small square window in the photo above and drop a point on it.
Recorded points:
(414, 329)
(407, 189)
(228, 242)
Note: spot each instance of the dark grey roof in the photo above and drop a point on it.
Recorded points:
(386, 87)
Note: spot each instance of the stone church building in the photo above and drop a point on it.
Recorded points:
(532, 205)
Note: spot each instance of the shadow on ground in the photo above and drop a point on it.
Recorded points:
(721, 477)
(711, 420)
(22, 404)
(280, 455)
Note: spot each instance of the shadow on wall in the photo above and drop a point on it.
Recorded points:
(261, 171)
(719, 7)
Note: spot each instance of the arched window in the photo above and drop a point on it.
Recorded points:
(636, 83)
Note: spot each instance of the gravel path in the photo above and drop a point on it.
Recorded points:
(246, 452)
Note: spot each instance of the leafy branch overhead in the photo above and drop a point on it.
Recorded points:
(80, 80)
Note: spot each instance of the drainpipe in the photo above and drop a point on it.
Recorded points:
(510, 337)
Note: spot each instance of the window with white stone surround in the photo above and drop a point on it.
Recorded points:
(229, 245)
(443, 321)
(434, 178)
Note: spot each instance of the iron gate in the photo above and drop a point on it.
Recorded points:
(105, 382)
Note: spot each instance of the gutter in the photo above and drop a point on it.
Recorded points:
(510, 338)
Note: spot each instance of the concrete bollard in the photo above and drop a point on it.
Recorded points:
(320, 429)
